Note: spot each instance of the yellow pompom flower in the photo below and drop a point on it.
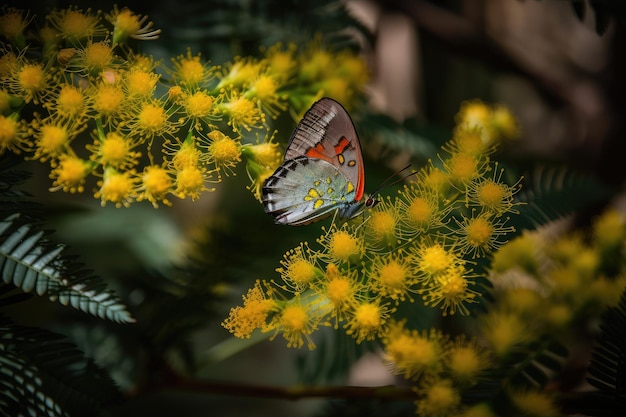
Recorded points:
(296, 321)
(93, 59)
(419, 210)
(155, 183)
(114, 150)
(463, 168)
(366, 320)
(533, 403)
(30, 82)
(481, 234)
(241, 113)
(340, 290)
(116, 187)
(412, 353)
(243, 320)
(151, 119)
(189, 182)
(69, 174)
(439, 398)
(342, 245)
(451, 291)
(108, 101)
(467, 360)
(190, 71)
(223, 151)
(609, 230)
(432, 259)
(281, 60)
(52, 138)
(382, 227)
(70, 103)
(12, 134)
(298, 268)
(12, 25)
(127, 24)
(74, 24)
(392, 277)
(139, 83)
(504, 331)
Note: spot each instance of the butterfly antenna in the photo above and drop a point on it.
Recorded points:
(399, 178)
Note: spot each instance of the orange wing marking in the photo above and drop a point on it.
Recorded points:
(317, 152)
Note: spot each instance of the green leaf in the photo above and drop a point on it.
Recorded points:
(607, 368)
(31, 263)
(550, 193)
(41, 373)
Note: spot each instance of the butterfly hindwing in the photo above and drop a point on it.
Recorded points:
(303, 190)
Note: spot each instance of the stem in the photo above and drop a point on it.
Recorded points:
(230, 347)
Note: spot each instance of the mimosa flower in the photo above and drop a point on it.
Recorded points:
(504, 331)
(281, 60)
(29, 81)
(296, 321)
(412, 353)
(467, 361)
(115, 150)
(70, 103)
(70, 173)
(491, 195)
(341, 290)
(534, 403)
(342, 244)
(139, 83)
(243, 320)
(116, 187)
(151, 118)
(190, 182)
(53, 138)
(223, 151)
(382, 228)
(190, 72)
(242, 72)
(241, 112)
(75, 25)
(127, 24)
(12, 25)
(439, 398)
(108, 101)
(199, 106)
(13, 134)
(299, 268)
(155, 184)
(451, 291)
(93, 59)
(392, 277)
(482, 234)
(419, 210)
(366, 320)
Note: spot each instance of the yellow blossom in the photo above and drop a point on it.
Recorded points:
(127, 24)
(467, 360)
(223, 151)
(155, 184)
(115, 150)
(281, 60)
(463, 168)
(12, 25)
(243, 320)
(439, 398)
(241, 72)
(189, 182)
(266, 154)
(451, 291)
(296, 322)
(504, 331)
(94, 58)
(70, 173)
(382, 225)
(199, 105)
(534, 403)
(412, 353)
(504, 124)
(419, 209)
(242, 113)
(74, 24)
(392, 277)
(609, 230)
(299, 268)
(433, 259)
(116, 187)
(190, 72)
(71, 102)
(30, 82)
(53, 138)
(340, 290)
(342, 245)
(477, 410)
(12, 134)
(366, 320)
(140, 83)
(151, 119)
(482, 234)
(108, 100)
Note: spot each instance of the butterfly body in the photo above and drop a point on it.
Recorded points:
(323, 170)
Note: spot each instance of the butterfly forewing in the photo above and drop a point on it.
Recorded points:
(327, 132)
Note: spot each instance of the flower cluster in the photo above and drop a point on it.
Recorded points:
(424, 245)
(78, 97)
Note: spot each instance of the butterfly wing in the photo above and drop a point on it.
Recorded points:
(304, 190)
(327, 132)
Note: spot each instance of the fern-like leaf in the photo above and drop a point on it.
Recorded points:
(608, 362)
(31, 263)
(550, 193)
(41, 373)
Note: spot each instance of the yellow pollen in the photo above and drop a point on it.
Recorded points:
(156, 180)
(52, 138)
(479, 231)
(343, 246)
(435, 260)
(108, 99)
(8, 131)
(339, 291)
(32, 78)
(301, 272)
(420, 211)
(294, 318)
(199, 104)
(71, 101)
(491, 194)
(152, 118)
(382, 223)
(367, 316)
(114, 149)
(463, 167)
(98, 56)
(392, 275)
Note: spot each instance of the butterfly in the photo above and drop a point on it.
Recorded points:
(322, 173)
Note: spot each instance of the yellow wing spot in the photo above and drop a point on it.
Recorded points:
(318, 203)
(349, 187)
(328, 180)
(341, 159)
(317, 183)
(312, 195)
(330, 190)
(351, 163)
